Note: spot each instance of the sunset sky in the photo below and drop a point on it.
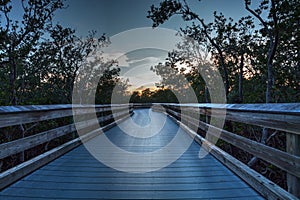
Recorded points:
(113, 17)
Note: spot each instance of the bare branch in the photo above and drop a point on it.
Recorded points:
(6, 10)
(259, 18)
(271, 136)
(31, 127)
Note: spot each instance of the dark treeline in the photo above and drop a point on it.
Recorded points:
(258, 63)
(39, 60)
(157, 96)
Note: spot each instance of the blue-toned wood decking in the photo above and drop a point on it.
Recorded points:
(78, 175)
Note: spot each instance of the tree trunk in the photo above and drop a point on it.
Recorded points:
(241, 98)
(206, 93)
(270, 79)
(13, 77)
(13, 91)
(220, 54)
(225, 75)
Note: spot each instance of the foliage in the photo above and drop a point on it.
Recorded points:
(160, 95)
(40, 60)
(247, 56)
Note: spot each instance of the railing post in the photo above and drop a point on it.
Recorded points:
(293, 147)
(22, 155)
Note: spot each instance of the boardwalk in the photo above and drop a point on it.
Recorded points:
(78, 175)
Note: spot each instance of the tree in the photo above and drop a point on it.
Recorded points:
(282, 58)
(287, 63)
(193, 55)
(110, 83)
(135, 97)
(19, 39)
(168, 8)
(238, 44)
(270, 28)
(58, 59)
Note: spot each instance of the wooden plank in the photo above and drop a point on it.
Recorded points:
(103, 169)
(265, 187)
(79, 175)
(283, 160)
(133, 180)
(281, 108)
(149, 186)
(14, 115)
(282, 122)
(16, 146)
(293, 147)
(99, 174)
(284, 117)
(142, 194)
(33, 108)
(15, 173)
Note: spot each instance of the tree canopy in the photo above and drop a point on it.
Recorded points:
(254, 59)
(39, 60)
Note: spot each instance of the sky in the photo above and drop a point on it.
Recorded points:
(116, 17)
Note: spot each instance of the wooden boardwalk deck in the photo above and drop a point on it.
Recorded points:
(78, 175)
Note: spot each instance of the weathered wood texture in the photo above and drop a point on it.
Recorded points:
(265, 187)
(283, 160)
(17, 146)
(14, 115)
(10, 176)
(78, 175)
(293, 147)
(285, 117)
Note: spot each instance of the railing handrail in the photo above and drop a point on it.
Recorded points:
(279, 108)
(89, 128)
(283, 117)
(14, 115)
(37, 108)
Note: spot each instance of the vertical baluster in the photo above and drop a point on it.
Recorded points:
(293, 147)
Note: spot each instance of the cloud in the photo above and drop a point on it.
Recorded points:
(141, 75)
(119, 56)
(135, 65)
(136, 69)
(146, 61)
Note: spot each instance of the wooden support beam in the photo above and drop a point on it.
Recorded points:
(10, 176)
(22, 144)
(14, 115)
(283, 117)
(293, 147)
(283, 160)
(265, 187)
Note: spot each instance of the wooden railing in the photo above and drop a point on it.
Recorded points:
(107, 116)
(142, 105)
(283, 117)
